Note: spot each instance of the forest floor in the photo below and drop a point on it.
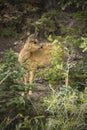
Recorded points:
(6, 44)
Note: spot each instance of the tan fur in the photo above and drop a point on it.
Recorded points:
(35, 56)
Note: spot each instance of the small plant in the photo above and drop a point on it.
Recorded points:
(34, 123)
(68, 108)
(57, 71)
(84, 44)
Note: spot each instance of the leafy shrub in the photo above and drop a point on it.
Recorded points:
(78, 75)
(67, 108)
(35, 123)
(13, 106)
(47, 24)
(84, 44)
(57, 71)
(81, 16)
(76, 3)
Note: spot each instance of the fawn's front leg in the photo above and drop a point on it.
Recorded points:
(32, 73)
(25, 80)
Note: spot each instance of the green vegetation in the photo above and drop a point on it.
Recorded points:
(77, 3)
(68, 109)
(15, 110)
(9, 32)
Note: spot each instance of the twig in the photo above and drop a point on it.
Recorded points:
(5, 78)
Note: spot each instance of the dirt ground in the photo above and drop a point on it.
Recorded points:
(7, 43)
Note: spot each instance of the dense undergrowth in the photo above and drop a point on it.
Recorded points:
(16, 111)
(65, 108)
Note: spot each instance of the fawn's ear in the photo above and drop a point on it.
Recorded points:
(31, 38)
(28, 40)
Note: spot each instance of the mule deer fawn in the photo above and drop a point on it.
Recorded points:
(34, 56)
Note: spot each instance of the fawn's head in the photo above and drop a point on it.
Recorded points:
(29, 47)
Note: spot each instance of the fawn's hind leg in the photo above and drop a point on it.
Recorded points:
(26, 78)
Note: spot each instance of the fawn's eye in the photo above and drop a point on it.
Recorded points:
(41, 46)
(35, 42)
